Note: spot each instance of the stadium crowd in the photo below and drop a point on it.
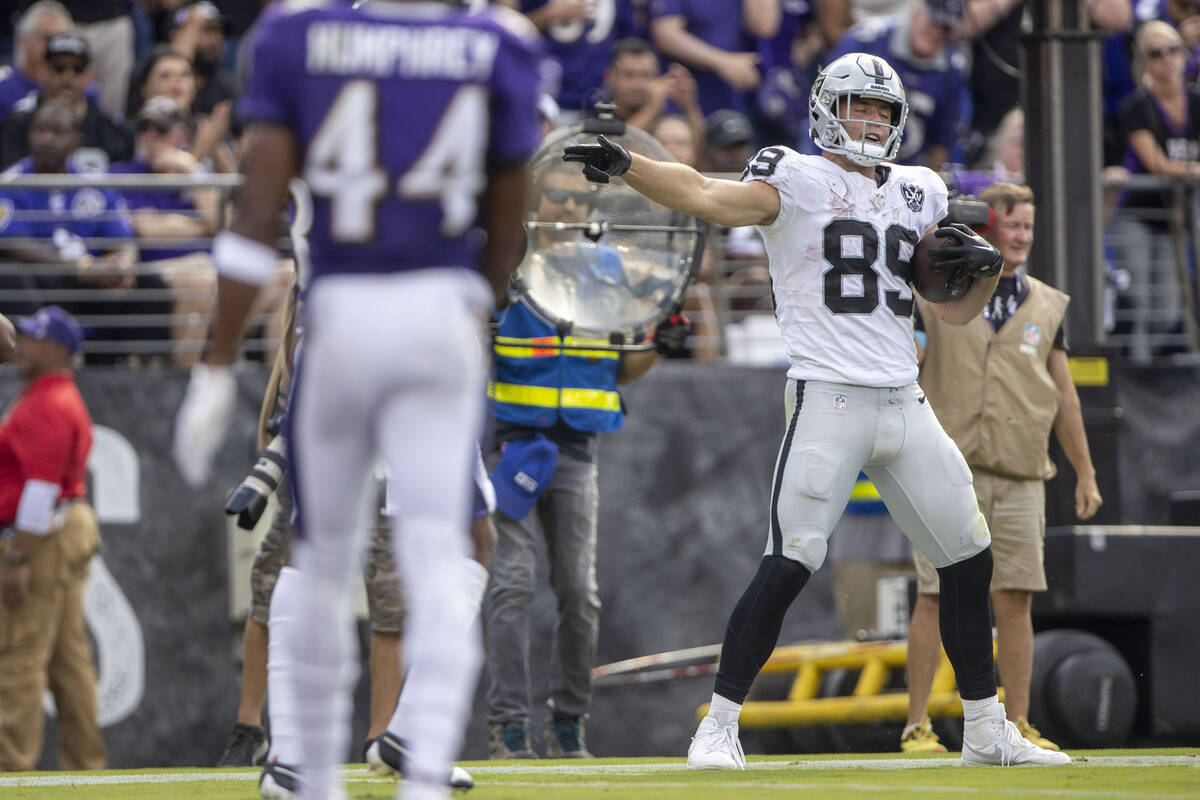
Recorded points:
(152, 84)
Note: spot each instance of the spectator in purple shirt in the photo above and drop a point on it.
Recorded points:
(41, 21)
(715, 39)
(164, 141)
(170, 73)
(61, 233)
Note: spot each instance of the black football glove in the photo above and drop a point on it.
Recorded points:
(672, 334)
(968, 256)
(601, 161)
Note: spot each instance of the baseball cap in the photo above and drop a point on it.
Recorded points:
(68, 44)
(161, 111)
(53, 323)
(726, 127)
(946, 12)
(204, 9)
(526, 467)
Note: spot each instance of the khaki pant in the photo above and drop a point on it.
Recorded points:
(1015, 511)
(44, 645)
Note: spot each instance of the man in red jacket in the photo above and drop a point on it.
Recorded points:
(50, 536)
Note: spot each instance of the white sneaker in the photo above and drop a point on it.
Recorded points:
(994, 741)
(716, 746)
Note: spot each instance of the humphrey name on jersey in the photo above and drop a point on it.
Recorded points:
(384, 51)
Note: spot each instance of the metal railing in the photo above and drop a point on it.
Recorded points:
(1152, 252)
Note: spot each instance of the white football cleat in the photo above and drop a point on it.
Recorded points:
(994, 741)
(716, 746)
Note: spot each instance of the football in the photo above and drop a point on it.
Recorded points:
(929, 283)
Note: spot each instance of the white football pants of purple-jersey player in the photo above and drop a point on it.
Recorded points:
(406, 387)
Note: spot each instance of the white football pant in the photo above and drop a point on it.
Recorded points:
(892, 435)
(392, 367)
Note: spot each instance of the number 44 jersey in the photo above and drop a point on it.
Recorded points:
(399, 111)
(839, 256)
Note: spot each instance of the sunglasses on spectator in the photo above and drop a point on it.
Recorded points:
(1161, 52)
(160, 128)
(60, 67)
(559, 196)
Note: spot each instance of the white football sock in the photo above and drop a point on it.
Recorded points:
(312, 666)
(285, 733)
(978, 709)
(724, 710)
(442, 647)
(475, 584)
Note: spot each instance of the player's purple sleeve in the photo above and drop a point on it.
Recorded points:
(516, 83)
(271, 74)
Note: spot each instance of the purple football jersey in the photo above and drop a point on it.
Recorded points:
(399, 110)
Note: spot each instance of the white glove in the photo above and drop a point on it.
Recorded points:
(202, 421)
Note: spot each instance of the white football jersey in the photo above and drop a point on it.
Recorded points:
(839, 255)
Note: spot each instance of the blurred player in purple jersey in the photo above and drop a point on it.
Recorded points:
(411, 123)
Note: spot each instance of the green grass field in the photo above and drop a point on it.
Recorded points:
(1093, 774)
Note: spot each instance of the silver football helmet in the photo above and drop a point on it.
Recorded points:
(855, 75)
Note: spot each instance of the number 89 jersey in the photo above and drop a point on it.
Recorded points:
(399, 110)
(839, 256)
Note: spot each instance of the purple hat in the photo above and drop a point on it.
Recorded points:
(52, 323)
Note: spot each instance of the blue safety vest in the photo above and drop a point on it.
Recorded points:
(540, 380)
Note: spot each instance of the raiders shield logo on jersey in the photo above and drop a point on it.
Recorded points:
(914, 196)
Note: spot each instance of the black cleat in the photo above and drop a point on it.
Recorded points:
(246, 746)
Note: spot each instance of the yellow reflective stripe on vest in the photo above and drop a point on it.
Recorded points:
(591, 398)
(521, 395)
(547, 397)
(546, 346)
(864, 492)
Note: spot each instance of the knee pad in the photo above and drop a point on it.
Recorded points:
(806, 547)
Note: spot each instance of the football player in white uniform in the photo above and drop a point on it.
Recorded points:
(841, 229)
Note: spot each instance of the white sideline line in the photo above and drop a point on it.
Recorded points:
(832, 789)
(356, 774)
(860, 763)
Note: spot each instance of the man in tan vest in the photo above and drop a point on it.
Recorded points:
(999, 385)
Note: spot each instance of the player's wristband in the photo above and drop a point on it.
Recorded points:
(243, 259)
